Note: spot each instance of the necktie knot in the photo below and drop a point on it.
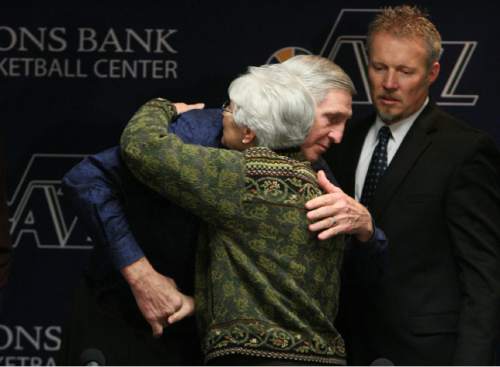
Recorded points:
(384, 134)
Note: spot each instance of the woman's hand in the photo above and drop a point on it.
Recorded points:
(181, 107)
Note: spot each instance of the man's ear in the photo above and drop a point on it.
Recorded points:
(248, 136)
(434, 72)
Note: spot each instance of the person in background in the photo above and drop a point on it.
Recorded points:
(432, 184)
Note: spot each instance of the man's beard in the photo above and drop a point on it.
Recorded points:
(387, 117)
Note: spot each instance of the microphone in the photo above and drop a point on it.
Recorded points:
(382, 362)
(92, 357)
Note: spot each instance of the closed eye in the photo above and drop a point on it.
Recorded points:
(336, 118)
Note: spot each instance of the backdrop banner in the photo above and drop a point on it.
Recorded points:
(72, 76)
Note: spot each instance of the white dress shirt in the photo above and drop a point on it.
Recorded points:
(398, 132)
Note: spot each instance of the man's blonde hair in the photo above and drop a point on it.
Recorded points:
(407, 22)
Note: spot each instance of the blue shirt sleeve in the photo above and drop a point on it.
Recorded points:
(378, 240)
(200, 127)
(96, 187)
(95, 190)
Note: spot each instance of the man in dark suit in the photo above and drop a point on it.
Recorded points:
(432, 184)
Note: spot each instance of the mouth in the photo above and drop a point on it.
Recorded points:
(323, 148)
(388, 100)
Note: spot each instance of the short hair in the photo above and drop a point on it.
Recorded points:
(408, 22)
(319, 75)
(274, 104)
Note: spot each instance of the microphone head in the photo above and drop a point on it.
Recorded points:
(92, 357)
(382, 362)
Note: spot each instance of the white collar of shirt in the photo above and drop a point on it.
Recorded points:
(398, 133)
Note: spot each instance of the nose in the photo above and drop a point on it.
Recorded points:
(335, 135)
(390, 80)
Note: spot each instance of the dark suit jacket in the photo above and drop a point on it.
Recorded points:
(436, 299)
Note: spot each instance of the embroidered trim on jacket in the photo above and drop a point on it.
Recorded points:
(256, 338)
(275, 178)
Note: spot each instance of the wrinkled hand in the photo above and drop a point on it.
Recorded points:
(157, 296)
(181, 107)
(337, 213)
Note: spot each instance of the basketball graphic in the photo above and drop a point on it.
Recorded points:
(285, 53)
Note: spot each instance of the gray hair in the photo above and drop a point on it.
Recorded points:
(274, 104)
(319, 75)
(408, 22)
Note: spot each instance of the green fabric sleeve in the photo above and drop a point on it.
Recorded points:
(207, 181)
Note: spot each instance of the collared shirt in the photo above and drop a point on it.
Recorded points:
(398, 133)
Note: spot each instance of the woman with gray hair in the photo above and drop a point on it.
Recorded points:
(267, 289)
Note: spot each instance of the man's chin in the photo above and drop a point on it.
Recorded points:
(388, 117)
(311, 156)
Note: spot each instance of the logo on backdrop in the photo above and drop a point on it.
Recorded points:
(345, 45)
(40, 213)
(286, 52)
(43, 52)
(19, 338)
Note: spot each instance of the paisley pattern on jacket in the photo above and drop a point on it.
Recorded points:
(266, 286)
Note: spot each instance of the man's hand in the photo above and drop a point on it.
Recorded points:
(157, 296)
(337, 213)
(183, 107)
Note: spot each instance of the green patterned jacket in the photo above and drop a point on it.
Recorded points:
(265, 285)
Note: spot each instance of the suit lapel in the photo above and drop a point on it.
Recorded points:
(416, 141)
